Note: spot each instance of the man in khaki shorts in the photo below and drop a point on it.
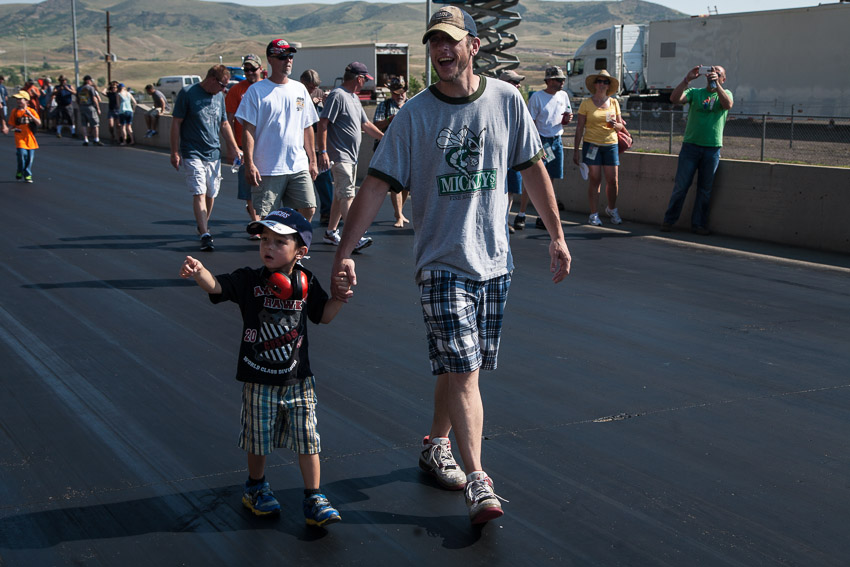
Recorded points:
(339, 142)
(277, 117)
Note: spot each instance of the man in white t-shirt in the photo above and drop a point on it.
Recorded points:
(277, 117)
(451, 146)
(551, 111)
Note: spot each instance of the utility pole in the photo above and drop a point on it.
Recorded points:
(76, 56)
(108, 52)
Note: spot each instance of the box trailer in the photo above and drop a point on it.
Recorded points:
(777, 61)
(382, 59)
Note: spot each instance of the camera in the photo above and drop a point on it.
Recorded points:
(705, 69)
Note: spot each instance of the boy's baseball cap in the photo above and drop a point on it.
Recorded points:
(22, 94)
(452, 20)
(279, 47)
(284, 221)
(359, 68)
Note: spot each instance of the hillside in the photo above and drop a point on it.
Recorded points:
(159, 37)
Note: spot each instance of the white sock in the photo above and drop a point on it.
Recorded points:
(436, 440)
(476, 475)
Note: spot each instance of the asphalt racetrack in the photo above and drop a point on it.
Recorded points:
(678, 400)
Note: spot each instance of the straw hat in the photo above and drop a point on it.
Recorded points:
(603, 74)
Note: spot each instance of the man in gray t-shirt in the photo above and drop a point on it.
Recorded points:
(339, 138)
(451, 146)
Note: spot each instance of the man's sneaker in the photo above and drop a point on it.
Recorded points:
(701, 230)
(539, 224)
(28, 178)
(153, 133)
(511, 229)
(594, 219)
(331, 237)
(319, 512)
(58, 134)
(615, 215)
(519, 222)
(207, 243)
(438, 461)
(483, 503)
(364, 242)
(666, 227)
(85, 142)
(19, 176)
(260, 499)
(98, 143)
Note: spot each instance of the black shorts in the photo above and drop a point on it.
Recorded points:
(64, 115)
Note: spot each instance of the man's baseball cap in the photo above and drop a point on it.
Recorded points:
(284, 221)
(359, 68)
(22, 94)
(452, 20)
(511, 75)
(277, 47)
(553, 72)
(397, 84)
(87, 78)
(253, 60)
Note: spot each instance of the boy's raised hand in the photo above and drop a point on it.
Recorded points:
(190, 267)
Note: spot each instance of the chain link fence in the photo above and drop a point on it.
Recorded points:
(756, 137)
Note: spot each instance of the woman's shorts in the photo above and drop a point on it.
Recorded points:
(603, 155)
(125, 118)
(463, 318)
(279, 416)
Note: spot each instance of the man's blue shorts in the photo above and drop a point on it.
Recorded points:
(556, 166)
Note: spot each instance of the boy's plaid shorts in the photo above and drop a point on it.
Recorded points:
(279, 416)
(463, 318)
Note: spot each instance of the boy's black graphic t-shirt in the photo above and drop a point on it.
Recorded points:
(274, 334)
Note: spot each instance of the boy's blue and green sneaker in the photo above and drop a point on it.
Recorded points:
(319, 512)
(260, 499)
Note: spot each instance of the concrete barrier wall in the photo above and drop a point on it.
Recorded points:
(798, 205)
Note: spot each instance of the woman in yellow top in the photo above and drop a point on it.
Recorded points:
(598, 122)
(24, 121)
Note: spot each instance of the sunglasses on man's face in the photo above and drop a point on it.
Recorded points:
(603, 82)
(221, 84)
(250, 69)
(284, 56)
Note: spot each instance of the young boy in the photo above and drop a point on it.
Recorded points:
(24, 121)
(278, 395)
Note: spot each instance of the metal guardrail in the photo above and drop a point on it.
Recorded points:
(756, 137)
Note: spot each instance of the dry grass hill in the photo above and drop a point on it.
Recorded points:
(152, 38)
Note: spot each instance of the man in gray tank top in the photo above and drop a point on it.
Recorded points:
(451, 147)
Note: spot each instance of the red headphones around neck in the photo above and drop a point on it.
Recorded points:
(284, 287)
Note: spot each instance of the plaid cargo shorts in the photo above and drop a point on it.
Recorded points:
(463, 318)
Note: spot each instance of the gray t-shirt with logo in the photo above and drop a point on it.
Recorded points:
(453, 155)
(345, 114)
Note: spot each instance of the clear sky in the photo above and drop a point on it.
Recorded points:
(691, 7)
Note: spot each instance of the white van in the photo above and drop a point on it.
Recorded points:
(170, 86)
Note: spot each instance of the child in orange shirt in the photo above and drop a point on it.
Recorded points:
(24, 121)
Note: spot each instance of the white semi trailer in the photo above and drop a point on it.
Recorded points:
(777, 61)
(382, 60)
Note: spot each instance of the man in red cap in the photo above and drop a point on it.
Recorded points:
(278, 116)
(339, 144)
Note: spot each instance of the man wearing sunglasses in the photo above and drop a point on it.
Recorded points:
(278, 116)
(198, 125)
(253, 68)
(551, 111)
